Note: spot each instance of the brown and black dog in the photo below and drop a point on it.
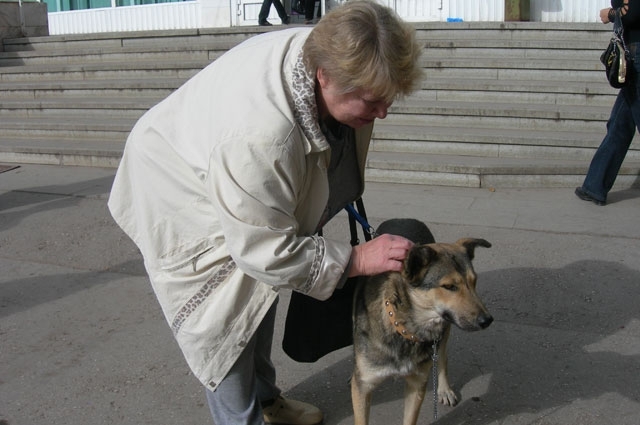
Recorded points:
(397, 316)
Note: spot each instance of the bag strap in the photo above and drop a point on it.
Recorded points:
(618, 30)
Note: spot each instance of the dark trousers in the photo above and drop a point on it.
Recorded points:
(266, 6)
(309, 7)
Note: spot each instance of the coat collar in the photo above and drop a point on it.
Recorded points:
(305, 109)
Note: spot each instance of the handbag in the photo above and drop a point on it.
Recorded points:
(314, 328)
(616, 57)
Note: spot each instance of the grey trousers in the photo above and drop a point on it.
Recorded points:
(251, 381)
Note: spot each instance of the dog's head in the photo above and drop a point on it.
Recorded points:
(442, 279)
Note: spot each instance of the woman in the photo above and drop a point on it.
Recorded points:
(224, 184)
(625, 115)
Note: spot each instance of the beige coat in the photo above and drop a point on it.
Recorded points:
(221, 186)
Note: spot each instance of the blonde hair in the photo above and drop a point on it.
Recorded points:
(364, 45)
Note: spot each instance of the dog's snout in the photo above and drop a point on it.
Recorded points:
(484, 320)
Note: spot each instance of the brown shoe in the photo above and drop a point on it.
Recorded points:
(291, 412)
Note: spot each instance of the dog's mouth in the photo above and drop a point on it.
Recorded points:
(446, 316)
(481, 322)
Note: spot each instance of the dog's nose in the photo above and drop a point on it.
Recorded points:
(484, 320)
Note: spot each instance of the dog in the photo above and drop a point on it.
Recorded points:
(397, 316)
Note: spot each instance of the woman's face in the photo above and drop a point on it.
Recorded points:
(355, 109)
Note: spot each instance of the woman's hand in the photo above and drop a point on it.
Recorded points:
(382, 254)
(604, 15)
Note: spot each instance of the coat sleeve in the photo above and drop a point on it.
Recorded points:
(256, 186)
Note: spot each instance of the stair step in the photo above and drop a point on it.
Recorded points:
(113, 69)
(463, 108)
(526, 91)
(77, 109)
(495, 96)
(156, 46)
(63, 129)
(87, 58)
(463, 171)
(156, 88)
(526, 31)
(529, 47)
(492, 116)
(483, 141)
(139, 39)
(62, 151)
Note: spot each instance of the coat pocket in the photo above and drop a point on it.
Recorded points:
(187, 260)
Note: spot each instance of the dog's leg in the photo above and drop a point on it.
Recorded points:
(446, 395)
(361, 399)
(415, 389)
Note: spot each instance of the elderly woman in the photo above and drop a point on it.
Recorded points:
(224, 184)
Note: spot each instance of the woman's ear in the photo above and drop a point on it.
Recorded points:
(322, 77)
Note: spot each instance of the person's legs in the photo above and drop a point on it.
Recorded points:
(607, 160)
(235, 400)
(264, 12)
(282, 13)
(265, 372)
(309, 7)
(251, 380)
(621, 127)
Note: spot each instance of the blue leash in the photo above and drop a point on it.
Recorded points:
(366, 227)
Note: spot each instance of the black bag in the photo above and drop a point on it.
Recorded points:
(315, 328)
(616, 57)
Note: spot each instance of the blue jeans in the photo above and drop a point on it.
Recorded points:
(621, 127)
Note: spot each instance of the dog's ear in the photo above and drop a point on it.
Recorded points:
(470, 244)
(417, 262)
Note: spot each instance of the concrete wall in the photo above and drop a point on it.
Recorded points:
(34, 15)
(28, 20)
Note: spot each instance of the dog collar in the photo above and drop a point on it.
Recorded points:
(402, 330)
(399, 327)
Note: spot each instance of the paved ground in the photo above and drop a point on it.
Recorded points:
(82, 340)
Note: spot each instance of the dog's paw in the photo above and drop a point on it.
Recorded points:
(447, 397)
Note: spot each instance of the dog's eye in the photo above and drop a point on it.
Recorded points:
(451, 288)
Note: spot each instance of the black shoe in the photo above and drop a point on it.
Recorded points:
(586, 197)
(286, 20)
(265, 24)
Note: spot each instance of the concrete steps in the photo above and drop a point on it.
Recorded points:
(468, 171)
(502, 104)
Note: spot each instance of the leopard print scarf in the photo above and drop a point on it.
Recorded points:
(305, 109)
